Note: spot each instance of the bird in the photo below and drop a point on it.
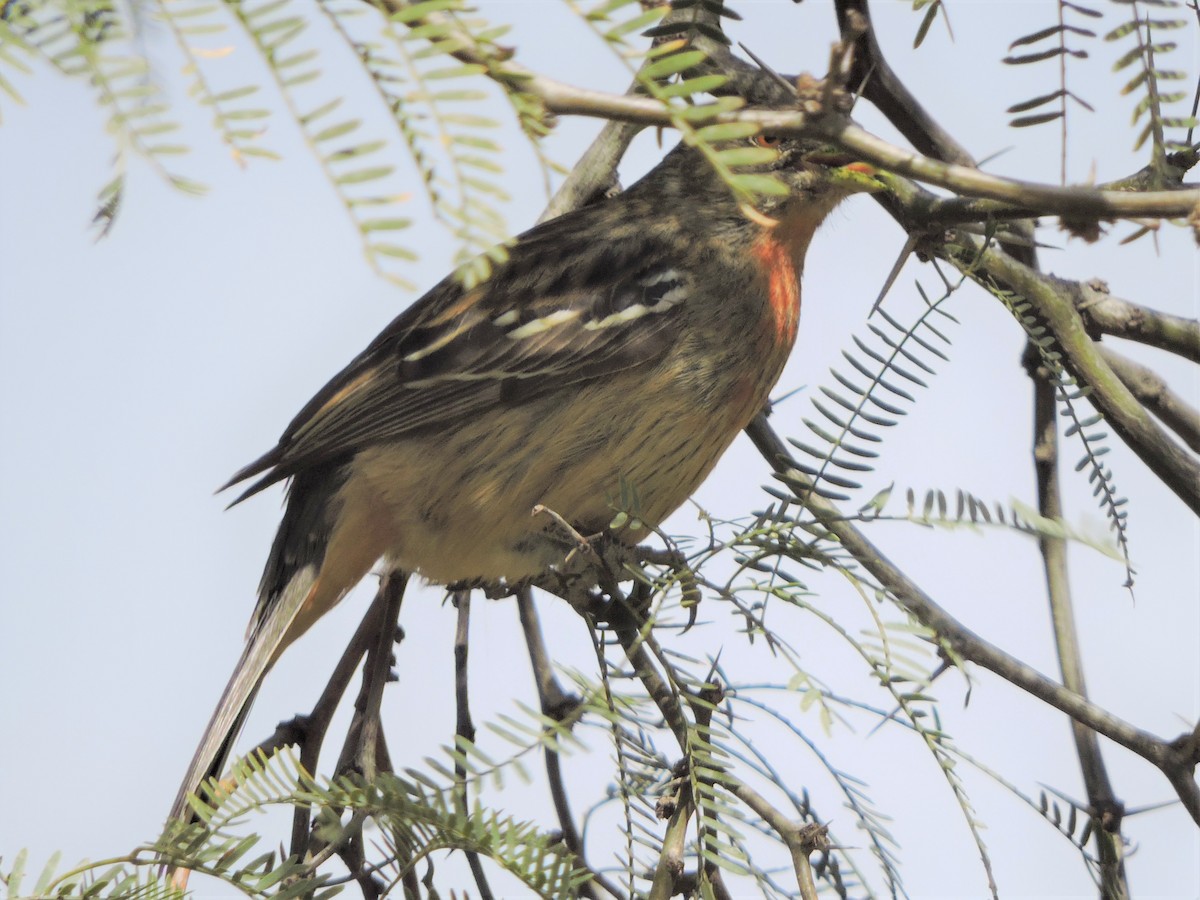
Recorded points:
(614, 354)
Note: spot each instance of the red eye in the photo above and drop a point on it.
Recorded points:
(770, 141)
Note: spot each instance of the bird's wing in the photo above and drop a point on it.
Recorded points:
(457, 353)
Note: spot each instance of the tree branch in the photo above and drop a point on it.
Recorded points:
(365, 748)
(377, 672)
(871, 75)
(1104, 808)
(670, 858)
(964, 642)
(1039, 199)
(556, 703)
(1124, 319)
(316, 723)
(1053, 304)
(464, 727)
(1043, 199)
(1153, 393)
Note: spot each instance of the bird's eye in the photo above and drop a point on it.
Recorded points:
(768, 140)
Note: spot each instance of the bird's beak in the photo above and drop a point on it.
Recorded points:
(846, 173)
(857, 178)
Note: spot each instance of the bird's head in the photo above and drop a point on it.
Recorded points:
(780, 174)
(781, 177)
(805, 174)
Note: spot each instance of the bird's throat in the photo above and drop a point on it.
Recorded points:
(782, 268)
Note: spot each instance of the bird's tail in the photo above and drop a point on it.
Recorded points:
(321, 550)
(266, 641)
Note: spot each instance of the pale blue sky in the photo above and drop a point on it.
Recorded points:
(140, 371)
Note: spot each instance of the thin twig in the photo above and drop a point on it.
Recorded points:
(553, 699)
(377, 672)
(633, 642)
(1104, 808)
(795, 835)
(314, 726)
(464, 727)
(365, 749)
(556, 703)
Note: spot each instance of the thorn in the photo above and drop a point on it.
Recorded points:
(787, 85)
(910, 244)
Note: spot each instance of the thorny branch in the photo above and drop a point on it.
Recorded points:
(563, 99)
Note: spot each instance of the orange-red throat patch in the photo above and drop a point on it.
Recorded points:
(783, 285)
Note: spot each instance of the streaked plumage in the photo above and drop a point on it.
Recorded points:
(617, 353)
